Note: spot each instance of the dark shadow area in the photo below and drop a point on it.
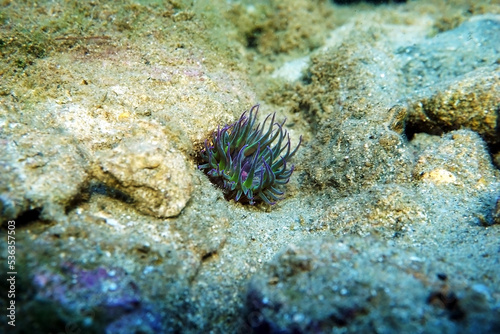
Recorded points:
(253, 38)
(102, 189)
(28, 217)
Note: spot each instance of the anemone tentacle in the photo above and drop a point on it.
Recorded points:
(250, 161)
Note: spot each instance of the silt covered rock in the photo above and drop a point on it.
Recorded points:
(155, 177)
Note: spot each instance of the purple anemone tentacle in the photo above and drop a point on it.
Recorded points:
(249, 159)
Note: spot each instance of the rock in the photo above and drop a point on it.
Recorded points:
(454, 80)
(358, 124)
(351, 284)
(390, 210)
(386, 227)
(458, 158)
(111, 296)
(450, 54)
(496, 212)
(155, 176)
(471, 101)
(40, 170)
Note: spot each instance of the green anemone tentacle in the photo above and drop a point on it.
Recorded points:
(249, 159)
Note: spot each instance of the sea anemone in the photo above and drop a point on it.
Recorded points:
(250, 161)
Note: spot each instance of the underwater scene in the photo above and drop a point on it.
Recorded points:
(250, 166)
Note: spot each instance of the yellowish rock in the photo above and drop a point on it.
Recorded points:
(439, 176)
